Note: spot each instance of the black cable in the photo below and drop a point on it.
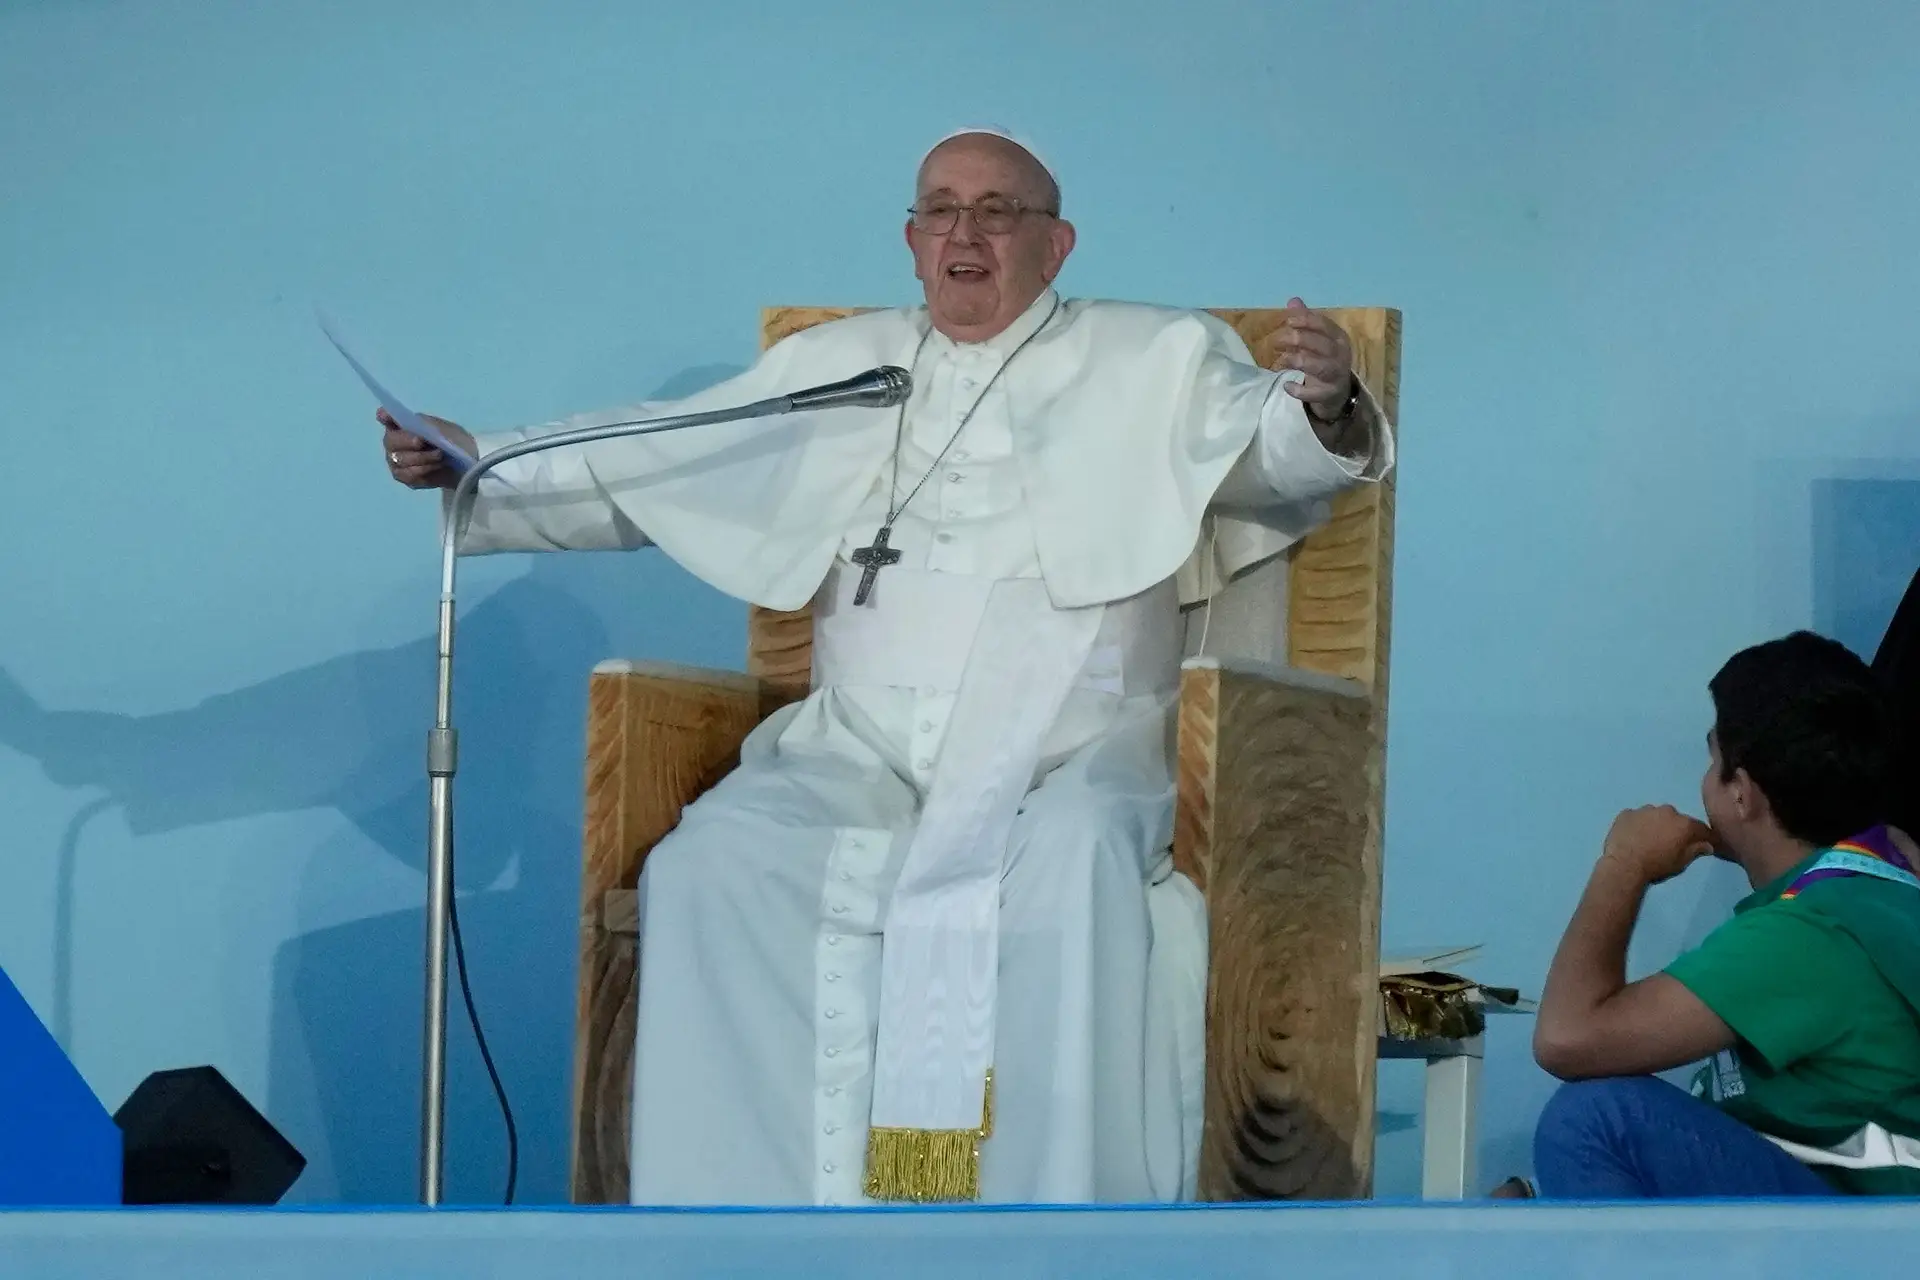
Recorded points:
(480, 1038)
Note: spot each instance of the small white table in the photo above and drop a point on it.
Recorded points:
(1449, 1139)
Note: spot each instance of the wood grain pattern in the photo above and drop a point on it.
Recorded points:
(655, 742)
(780, 651)
(1196, 768)
(1280, 821)
(1340, 587)
(777, 323)
(1290, 861)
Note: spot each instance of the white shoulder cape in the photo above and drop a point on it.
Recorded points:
(1126, 419)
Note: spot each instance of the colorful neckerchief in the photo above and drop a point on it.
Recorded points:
(1871, 853)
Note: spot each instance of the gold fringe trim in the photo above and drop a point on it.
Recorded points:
(924, 1166)
(928, 1166)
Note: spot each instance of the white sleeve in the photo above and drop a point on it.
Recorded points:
(1286, 465)
(557, 500)
(545, 501)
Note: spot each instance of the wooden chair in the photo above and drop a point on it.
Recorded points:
(1281, 767)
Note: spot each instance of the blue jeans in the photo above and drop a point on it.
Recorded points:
(1638, 1138)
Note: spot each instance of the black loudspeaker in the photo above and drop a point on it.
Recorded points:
(190, 1138)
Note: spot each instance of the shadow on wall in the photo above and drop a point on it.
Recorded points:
(1866, 547)
(348, 734)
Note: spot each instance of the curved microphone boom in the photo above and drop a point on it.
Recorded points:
(874, 389)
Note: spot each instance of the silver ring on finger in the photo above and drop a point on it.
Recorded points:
(394, 457)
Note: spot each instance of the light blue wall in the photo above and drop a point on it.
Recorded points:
(1660, 400)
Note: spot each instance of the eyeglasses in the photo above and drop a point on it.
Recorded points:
(993, 215)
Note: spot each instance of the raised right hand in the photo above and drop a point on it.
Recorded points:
(1659, 841)
(414, 462)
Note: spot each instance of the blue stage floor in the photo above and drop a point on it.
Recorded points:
(1854, 1240)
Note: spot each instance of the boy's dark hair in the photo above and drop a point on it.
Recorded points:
(1809, 722)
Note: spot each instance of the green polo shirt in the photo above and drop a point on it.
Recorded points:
(1813, 987)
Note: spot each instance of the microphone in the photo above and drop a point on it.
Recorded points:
(874, 389)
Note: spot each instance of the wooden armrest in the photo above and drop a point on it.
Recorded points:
(1279, 777)
(620, 913)
(658, 736)
(679, 673)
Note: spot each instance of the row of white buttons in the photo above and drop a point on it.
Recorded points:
(832, 1111)
(962, 403)
(933, 710)
(858, 857)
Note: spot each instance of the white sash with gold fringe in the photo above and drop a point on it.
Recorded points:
(933, 1060)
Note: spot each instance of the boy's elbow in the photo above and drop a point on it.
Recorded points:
(1561, 1054)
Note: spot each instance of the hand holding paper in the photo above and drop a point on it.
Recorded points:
(454, 445)
(417, 462)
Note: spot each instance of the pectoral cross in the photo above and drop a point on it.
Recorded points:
(872, 560)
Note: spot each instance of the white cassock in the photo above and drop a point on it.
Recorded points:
(929, 930)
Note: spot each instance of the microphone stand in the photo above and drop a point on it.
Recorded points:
(877, 389)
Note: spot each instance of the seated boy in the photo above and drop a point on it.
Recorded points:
(1806, 1004)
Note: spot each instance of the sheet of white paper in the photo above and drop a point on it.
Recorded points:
(1393, 964)
(457, 458)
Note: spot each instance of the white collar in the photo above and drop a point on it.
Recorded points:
(1004, 343)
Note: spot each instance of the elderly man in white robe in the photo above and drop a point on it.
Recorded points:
(925, 943)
